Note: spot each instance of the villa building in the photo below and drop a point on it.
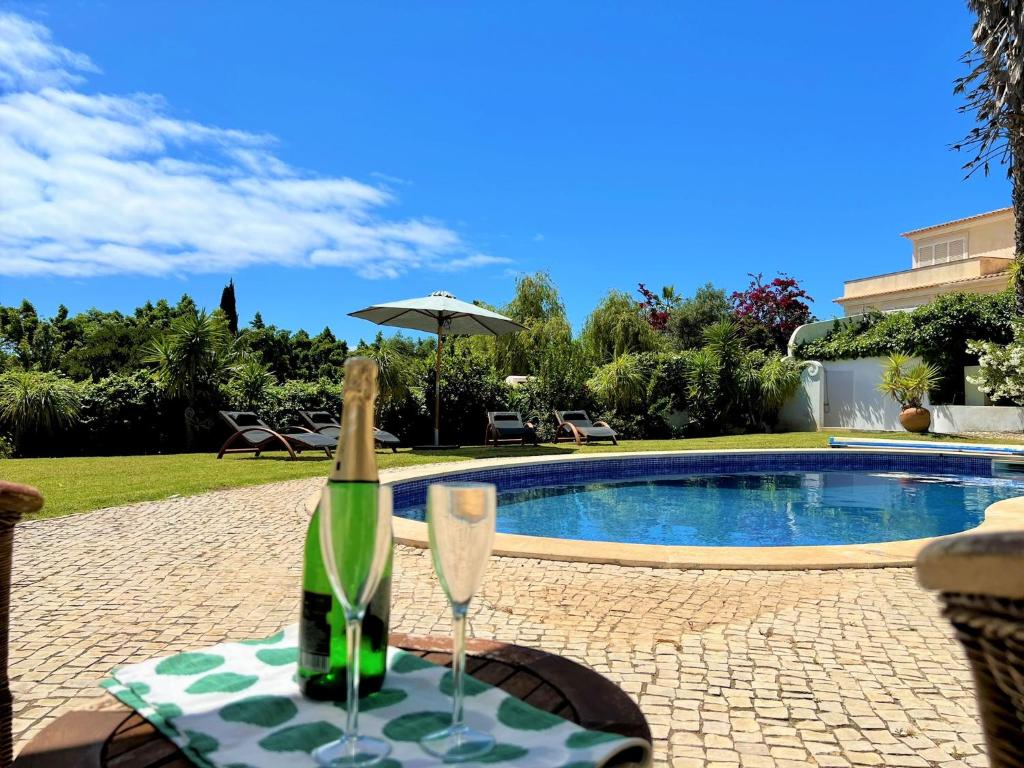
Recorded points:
(971, 254)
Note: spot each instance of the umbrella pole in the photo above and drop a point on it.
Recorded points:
(437, 387)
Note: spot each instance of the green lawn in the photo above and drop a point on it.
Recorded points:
(81, 484)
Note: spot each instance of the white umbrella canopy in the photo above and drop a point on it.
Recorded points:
(443, 314)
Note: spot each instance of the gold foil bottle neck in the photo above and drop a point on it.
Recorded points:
(360, 381)
(355, 459)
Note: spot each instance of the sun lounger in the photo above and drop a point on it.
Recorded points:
(253, 435)
(577, 425)
(325, 423)
(508, 426)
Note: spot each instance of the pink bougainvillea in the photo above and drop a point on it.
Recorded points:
(655, 308)
(778, 307)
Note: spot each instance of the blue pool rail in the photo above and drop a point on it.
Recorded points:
(920, 445)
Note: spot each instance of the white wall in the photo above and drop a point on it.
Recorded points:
(843, 394)
(977, 418)
(973, 395)
(804, 412)
(852, 399)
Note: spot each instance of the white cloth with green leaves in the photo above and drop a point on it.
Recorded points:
(237, 705)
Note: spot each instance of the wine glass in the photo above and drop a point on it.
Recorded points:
(355, 549)
(460, 520)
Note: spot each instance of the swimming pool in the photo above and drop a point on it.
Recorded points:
(771, 499)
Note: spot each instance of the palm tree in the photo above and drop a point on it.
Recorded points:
(251, 383)
(195, 355)
(907, 384)
(396, 370)
(769, 380)
(993, 92)
(620, 383)
(35, 404)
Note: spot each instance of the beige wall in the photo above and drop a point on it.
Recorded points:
(913, 299)
(989, 250)
(991, 238)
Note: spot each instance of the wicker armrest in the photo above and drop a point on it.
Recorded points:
(975, 564)
(18, 499)
(981, 581)
(15, 500)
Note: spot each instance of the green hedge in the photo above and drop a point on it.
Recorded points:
(937, 332)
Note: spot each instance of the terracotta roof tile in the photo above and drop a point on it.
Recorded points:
(956, 221)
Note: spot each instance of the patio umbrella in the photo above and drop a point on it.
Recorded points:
(443, 314)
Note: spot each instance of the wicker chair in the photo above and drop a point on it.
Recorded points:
(15, 500)
(981, 578)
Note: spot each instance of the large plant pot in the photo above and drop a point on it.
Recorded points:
(915, 419)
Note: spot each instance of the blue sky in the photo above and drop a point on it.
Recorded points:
(336, 154)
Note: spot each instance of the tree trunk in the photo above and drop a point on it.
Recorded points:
(190, 421)
(190, 431)
(1016, 139)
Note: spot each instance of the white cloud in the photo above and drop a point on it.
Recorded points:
(29, 59)
(95, 184)
(476, 260)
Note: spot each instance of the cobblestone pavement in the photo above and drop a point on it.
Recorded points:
(732, 668)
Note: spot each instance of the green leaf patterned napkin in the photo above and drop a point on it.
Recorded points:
(237, 705)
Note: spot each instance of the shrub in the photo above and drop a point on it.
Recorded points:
(875, 335)
(771, 380)
(668, 381)
(1001, 370)
(250, 387)
(620, 384)
(469, 388)
(623, 388)
(284, 399)
(35, 405)
(688, 319)
(705, 391)
(943, 328)
(560, 384)
(125, 413)
(667, 394)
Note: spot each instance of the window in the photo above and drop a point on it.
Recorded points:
(941, 251)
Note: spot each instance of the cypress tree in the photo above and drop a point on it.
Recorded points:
(227, 305)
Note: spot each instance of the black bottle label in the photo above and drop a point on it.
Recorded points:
(315, 647)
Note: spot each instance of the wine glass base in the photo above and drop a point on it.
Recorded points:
(351, 752)
(458, 743)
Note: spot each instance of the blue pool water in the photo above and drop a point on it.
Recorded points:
(753, 509)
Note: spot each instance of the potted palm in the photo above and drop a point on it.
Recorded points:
(908, 385)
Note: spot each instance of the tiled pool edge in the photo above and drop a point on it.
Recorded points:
(1002, 515)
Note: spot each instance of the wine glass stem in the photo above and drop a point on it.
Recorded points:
(458, 662)
(353, 638)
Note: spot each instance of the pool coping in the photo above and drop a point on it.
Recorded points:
(1007, 514)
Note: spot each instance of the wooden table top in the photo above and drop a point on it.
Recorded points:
(117, 737)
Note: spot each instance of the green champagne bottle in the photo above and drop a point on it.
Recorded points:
(352, 486)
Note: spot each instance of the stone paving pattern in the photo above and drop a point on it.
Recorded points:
(732, 668)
